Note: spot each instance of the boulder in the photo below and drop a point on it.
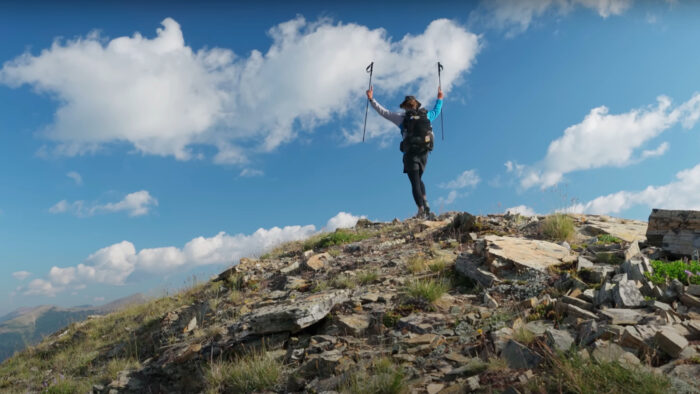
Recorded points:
(292, 316)
(518, 356)
(620, 316)
(559, 340)
(677, 232)
(317, 261)
(535, 254)
(626, 230)
(612, 352)
(355, 324)
(627, 295)
(471, 266)
(670, 342)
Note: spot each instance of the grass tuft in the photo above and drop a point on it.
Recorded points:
(367, 277)
(384, 377)
(427, 289)
(251, 373)
(558, 227)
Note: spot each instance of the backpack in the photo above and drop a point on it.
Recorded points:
(418, 131)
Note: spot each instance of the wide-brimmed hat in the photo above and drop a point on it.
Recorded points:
(409, 98)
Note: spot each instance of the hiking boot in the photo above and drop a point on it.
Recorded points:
(427, 215)
(420, 214)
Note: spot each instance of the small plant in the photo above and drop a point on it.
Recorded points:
(320, 286)
(235, 297)
(416, 264)
(427, 289)
(524, 336)
(367, 277)
(558, 227)
(339, 237)
(251, 373)
(382, 378)
(608, 239)
(335, 252)
(345, 282)
(235, 281)
(688, 273)
(390, 319)
(437, 265)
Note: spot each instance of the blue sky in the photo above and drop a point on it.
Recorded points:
(132, 159)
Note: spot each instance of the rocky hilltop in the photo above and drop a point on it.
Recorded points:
(461, 304)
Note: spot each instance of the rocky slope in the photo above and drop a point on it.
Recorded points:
(457, 305)
(27, 326)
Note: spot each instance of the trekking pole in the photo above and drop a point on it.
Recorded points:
(369, 69)
(442, 120)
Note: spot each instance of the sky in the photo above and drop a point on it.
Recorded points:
(144, 147)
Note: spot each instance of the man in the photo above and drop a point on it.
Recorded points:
(415, 156)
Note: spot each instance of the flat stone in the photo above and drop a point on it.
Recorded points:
(457, 358)
(528, 253)
(473, 367)
(690, 300)
(693, 290)
(434, 388)
(318, 261)
(355, 324)
(518, 356)
(421, 323)
(622, 316)
(658, 305)
(610, 352)
(573, 310)
(584, 263)
(424, 339)
(577, 302)
(632, 251)
(489, 301)
(693, 327)
(598, 273)
(637, 337)
(560, 340)
(626, 230)
(627, 295)
(292, 315)
(291, 268)
(324, 365)
(470, 266)
(670, 342)
(588, 295)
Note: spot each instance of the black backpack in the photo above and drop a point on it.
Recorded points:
(418, 131)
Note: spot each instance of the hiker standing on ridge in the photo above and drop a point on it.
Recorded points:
(417, 141)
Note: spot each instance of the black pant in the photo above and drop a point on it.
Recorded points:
(417, 187)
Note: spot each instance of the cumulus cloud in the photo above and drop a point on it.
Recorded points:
(135, 204)
(603, 139)
(468, 178)
(21, 275)
(251, 172)
(683, 193)
(521, 210)
(516, 16)
(114, 264)
(342, 220)
(166, 98)
(75, 177)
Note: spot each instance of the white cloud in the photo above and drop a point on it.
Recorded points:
(451, 197)
(521, 210)
(98, 299)
(683, 193)
(167, 99)
(21, 275)
(135, 204)
(516, 16)
(342, 220)
(468, 178)
(75, 177)
(114, 264)
(251, 172)
(604, 139)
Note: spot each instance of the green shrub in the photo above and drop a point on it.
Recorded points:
(382, 378)
(251, 373)
(675, 270)
(338, 237)
(572, 374)
(416, 264)
(345, 282)
(558, 227)
(608, 239)
(427, 289)
(367, 277)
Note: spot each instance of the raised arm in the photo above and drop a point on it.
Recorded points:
(438, 106)
(394, 117)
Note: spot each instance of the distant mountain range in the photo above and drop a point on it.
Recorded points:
(27, 326)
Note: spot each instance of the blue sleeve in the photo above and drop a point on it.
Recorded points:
(436, 110)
